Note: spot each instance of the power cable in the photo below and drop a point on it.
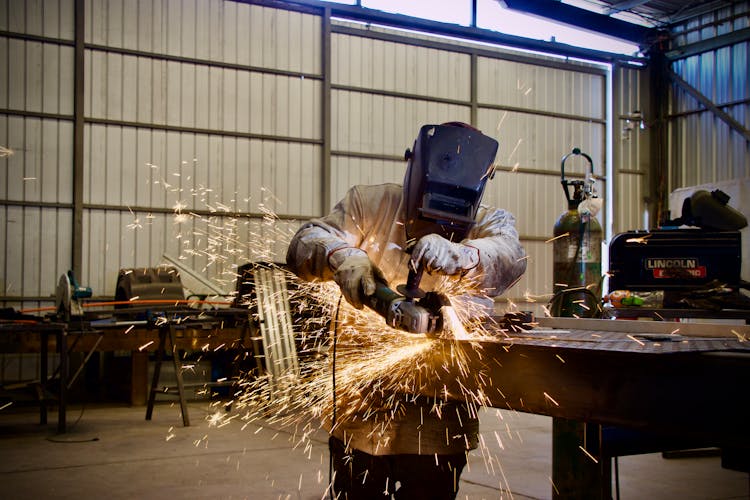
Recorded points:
(333, 328)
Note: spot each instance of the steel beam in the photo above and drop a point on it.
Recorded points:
(582, 18)
(709, 104)
(79, 76)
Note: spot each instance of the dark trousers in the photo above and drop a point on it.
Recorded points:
(361, 476)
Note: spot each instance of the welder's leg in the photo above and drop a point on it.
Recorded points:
(360, 475)
(419, 477)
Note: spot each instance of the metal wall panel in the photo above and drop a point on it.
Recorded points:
(36, 76)
(146, 90)
(539, 88)
(535, 200)
(630, 190)
(131, 167)
(349, 171)
(377, 124)
(182, 119)
(535, 286)
(398, 67)
(49, 18)
(30, 266)
(250, 35)
(36, 89)
(188, 173)
(39, 167)
(631, 139)
(538, 142)
(705, 149)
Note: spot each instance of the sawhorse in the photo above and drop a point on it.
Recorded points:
(164, 332)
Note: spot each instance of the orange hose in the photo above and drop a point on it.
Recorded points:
(130, 302)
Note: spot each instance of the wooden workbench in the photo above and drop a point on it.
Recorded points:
(123, 330)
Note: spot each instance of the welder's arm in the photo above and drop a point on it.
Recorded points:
(327, 249)
(502, 258)
(492, 257)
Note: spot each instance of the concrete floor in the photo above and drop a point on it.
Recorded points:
(113, 452)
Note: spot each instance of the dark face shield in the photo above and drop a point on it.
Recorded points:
(445, 180)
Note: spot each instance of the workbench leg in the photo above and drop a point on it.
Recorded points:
(138, 378)
(178, 375)
(157, 372)
(575, 474)
(43, 373)
(62, 405)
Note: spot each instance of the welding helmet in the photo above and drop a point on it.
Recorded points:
(446, 173)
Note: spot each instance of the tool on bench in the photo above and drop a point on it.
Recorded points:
(68, 296)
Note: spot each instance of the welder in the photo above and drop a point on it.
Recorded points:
(376, 234)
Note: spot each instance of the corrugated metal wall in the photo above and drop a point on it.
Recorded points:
(36, 127)
(705, 149)
(631, 139)
(539, 114)
(210, 106)
(218, 110)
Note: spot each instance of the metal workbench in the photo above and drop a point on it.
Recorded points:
(679, 383)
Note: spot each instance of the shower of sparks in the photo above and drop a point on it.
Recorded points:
(635, 339)
(377, 370)
(553, 485)
(500, 123)
(136, 224)
(640, 239)
(518, 144)
(557, 237)
(144, 346)
(547, 396)
(592, 457)
(740, 337)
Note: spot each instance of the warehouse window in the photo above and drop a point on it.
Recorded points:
(492, 15)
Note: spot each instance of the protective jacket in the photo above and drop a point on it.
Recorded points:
(371, 219)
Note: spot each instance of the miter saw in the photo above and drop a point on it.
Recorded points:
(68, 296)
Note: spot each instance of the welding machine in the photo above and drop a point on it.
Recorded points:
(684, 262)
(674, 259)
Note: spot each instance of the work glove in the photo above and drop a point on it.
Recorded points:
(356, 275)
(439, 255)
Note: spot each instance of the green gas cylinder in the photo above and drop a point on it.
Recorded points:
(576, 251)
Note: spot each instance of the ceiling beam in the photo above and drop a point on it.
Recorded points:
(582, 18)
(709, 44)
(621, 6)
(375, 16)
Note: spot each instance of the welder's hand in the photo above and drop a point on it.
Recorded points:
(439, 255)
(356, 277)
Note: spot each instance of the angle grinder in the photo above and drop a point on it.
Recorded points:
(410, 309)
